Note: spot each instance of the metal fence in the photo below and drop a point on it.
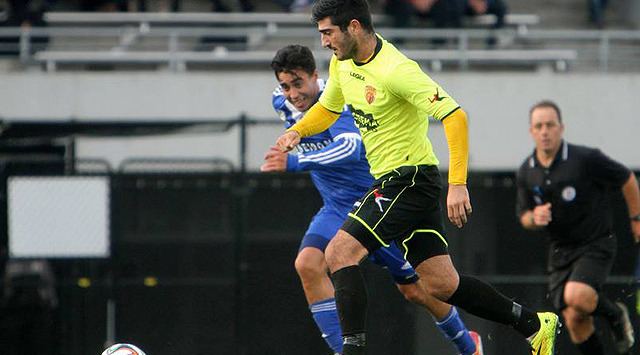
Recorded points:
(189, 48)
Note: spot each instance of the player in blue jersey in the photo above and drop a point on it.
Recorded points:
(340, 172)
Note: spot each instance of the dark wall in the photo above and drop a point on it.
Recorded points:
(203, 264)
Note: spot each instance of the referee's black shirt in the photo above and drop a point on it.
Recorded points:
(576, 183)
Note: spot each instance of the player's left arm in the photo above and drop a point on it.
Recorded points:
(631, 194)
(457, 132)
(612, 173)
(409, 82)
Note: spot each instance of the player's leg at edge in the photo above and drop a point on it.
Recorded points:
(446, 317)
(344, 254)
(318, 289)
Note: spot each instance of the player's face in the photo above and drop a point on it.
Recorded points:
(546, 129)
(343, 44)
(300, 88)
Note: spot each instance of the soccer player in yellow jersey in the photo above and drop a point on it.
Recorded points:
(391, 98)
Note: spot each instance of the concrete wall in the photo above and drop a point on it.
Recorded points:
(599, 110)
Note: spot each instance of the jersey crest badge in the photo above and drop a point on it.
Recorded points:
(569, 193)
(370, 94)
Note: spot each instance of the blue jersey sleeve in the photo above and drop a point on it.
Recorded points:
(279, 103)
(345, 149)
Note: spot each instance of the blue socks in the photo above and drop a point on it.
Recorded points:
(455, 331)
(326, 317)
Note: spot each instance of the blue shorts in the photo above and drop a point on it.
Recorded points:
(325, 225)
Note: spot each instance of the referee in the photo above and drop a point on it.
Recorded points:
(562, 190)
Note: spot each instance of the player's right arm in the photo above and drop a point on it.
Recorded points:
(410, 83)
(532, 217)
(315, 121)
(344, 151)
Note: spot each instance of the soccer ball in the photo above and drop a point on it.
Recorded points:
(123, 349)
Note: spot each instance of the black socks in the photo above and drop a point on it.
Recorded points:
(482, 300)
(591, 346)
(607, 309)
(351, 301)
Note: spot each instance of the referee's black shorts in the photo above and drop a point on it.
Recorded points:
(403, 205)
(589, 264)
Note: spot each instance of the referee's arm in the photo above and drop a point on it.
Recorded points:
(631, 194)
(528, 219)
(525, 211)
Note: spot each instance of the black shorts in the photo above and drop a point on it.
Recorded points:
(588, 264)
(403, 205)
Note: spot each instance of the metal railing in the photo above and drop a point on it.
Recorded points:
(270, 19)
(177, 47)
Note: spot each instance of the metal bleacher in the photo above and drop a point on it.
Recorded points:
(520, 21)
(185, 41)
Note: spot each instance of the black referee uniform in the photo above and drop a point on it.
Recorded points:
(576, 184)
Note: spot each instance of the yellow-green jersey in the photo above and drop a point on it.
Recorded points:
(391, 99)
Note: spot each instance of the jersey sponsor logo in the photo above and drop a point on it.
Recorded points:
(365, 121)
(369, 94)
(569, 193)
(379, 198)
(306, 147)
(357, 76)
(436, 97)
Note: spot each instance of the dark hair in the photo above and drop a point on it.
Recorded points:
(293, 57)
(546, 104)
(342, 12)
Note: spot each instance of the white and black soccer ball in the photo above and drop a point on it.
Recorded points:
(123, 349)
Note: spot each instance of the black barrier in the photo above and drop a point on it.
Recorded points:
(202, 263)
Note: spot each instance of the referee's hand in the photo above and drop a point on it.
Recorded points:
(458, 204)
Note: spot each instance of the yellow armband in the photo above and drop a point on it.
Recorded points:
(316, 120)
(455, 127)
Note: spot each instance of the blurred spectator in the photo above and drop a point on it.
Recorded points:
(130, 5)
(162, 6)
(301, 6)
(487, 7)
(596, 12)
(221, 6)
(442, 13)
(104, 5)
(27, 12)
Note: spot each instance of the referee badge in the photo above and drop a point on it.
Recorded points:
(569, 193)
(370, 94)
